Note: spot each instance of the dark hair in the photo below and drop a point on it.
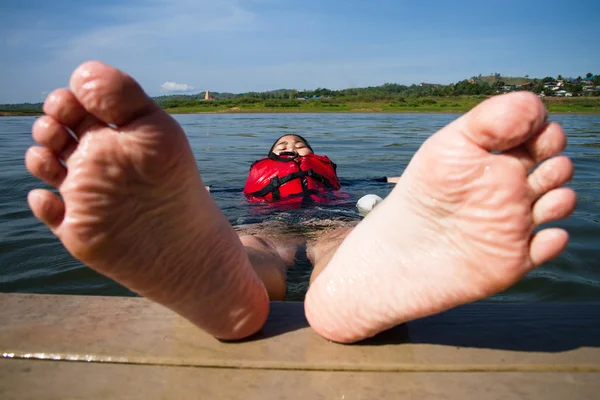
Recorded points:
(293, 134)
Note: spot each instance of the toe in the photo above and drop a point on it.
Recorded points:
(44, 164)
(549, 142)
(554, 205)
(63, 106)
(50, 133)
(549, 175)
(503, 122)
(522, 154)
(547, 244)
(111, 95)
(47, 207)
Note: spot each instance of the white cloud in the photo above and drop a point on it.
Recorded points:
(172, 87)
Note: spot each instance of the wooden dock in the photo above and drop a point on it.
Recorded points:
(83, 347)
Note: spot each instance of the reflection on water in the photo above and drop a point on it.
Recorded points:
(364, 146)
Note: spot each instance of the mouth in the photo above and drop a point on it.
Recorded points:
(288, 154)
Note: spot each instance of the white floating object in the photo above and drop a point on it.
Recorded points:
(367, 203)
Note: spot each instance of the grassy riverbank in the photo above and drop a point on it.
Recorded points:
(423, 104)
(457, 104)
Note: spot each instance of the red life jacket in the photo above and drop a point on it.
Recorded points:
(281, 178)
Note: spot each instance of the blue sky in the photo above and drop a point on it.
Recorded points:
(188, 46)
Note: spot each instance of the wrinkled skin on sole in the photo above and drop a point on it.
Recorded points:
(133, 206)
(458, 226)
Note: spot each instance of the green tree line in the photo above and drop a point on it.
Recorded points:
(391, 92)
(388, 92)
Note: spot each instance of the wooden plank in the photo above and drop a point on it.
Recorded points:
(480, 337)
(49, 380)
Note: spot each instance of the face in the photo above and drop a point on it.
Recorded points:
(291, 143)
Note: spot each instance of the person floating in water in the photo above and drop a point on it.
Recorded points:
(292, 173)
(459, 226)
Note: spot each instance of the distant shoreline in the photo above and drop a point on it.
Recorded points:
(304, 111)
(18, 114)
(428, 105)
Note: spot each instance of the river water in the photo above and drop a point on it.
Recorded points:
(364, 146)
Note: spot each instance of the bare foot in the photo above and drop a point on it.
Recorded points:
(458, 226)
(133, 204)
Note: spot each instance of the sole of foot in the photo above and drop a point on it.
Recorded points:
(459, 226)
(133, 206)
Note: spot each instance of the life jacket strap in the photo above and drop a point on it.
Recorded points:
(276, 182)
(276, 157)
(320, 178)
